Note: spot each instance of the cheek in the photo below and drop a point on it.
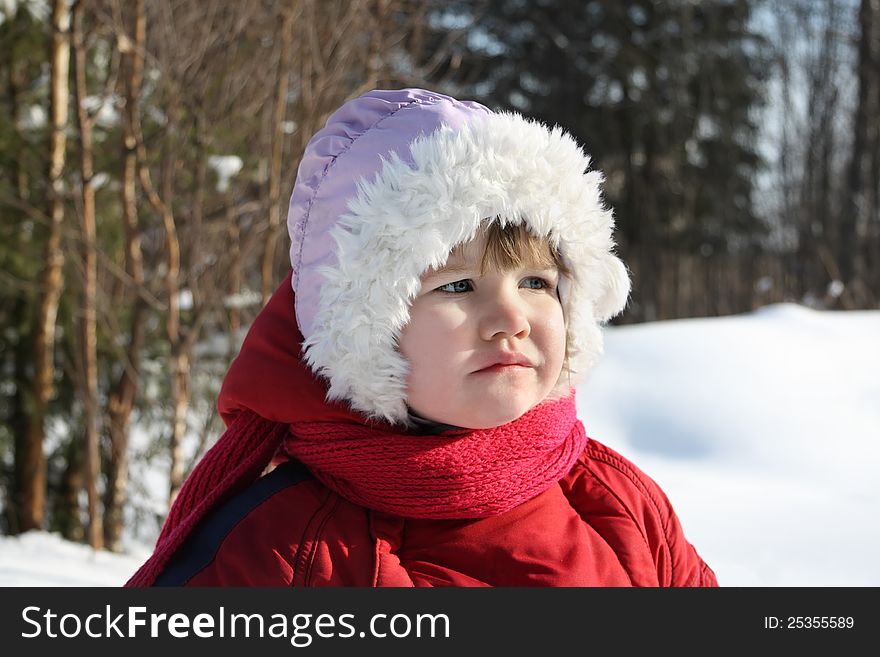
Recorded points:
(428, 338)
(554, 342)
(553, 334)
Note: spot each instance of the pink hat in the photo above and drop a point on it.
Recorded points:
(389, 186)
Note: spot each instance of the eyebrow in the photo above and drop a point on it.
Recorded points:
(464, 268)
(451, 269)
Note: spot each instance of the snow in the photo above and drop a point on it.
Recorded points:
(244, 299)
(33, 118)
(39, 9)
(762, 429)
(185, 299)
(226, 167)
(43, 559)
(100, 179)
(104, 109)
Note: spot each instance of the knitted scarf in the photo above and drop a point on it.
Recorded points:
(460, 473)
(466, 473)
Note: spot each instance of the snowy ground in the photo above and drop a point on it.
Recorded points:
(763, 430)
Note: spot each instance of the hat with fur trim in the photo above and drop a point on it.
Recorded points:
(391, 184)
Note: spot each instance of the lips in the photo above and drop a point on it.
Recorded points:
(504, 361)
(502, 368)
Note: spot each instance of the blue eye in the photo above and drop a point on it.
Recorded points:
(542, 284)
(456, 287)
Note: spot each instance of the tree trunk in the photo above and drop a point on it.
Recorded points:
(856, 210)
(122, 398)
(374, 64)
(180, 400)
(177, 344)
(233, 228)
(66, 516)
(194, 255)
(15, 85)
(172, 325)
(267, 270)
(88, 312)
(19, 414)
(872, 242)
(30, 462)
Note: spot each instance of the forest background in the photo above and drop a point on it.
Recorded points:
(148, 149)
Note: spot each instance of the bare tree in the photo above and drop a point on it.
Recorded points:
(285, 37)
(179, 342)
(812, 43)
(88, 306)
(863, 174)
(30, 491)
(124, 393)
(819, 186)
(196, 52)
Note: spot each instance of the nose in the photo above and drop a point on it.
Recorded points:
(504, 316)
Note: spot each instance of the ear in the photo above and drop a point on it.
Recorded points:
(616, 286)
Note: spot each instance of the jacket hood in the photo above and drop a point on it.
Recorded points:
(269, 375)
(393, 182)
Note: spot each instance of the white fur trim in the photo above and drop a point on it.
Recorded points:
(411, 217)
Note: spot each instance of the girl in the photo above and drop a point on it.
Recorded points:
(402, 412)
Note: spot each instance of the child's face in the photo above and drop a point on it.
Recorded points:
(462, 322)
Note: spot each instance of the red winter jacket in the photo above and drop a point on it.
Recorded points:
(604, 524)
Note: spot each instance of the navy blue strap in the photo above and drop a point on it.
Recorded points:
(199, 550)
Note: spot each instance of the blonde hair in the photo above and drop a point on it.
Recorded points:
(515, 245)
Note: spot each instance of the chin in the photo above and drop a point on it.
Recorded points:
(487, 419)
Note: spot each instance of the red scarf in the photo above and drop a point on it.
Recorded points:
(458, 474)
